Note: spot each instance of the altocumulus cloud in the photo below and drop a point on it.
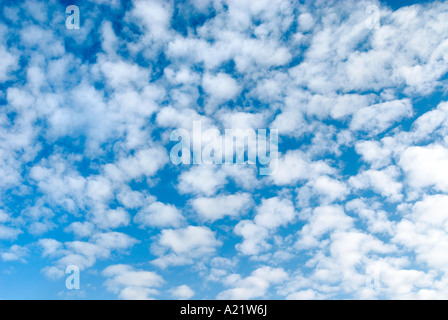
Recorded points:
(355, 209)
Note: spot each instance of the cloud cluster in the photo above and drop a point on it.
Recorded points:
(356, 209)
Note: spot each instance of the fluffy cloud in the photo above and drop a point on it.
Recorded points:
(423, 230)
(221, 87)
(183, 292)
(203, 180)
(322, 221)
(294, 167)
(131, 284)
(254, 286)
(84, 254)
(377, 118)
(270, 215)
(81, 229)
(426, 166)
(377, 220)
(85, 124)
(212, 209)
(7, 233)
(374, 153)
(274, 212)
(184, 246)
(9, 63)
(324, 188)
(383, 182)
(15, 253)
(159, 214)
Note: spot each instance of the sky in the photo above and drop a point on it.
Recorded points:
(356, 207)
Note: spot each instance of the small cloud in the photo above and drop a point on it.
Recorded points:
(183, 292)
(15, 253)
(132, 284)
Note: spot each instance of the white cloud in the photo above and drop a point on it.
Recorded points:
(306, 21)
(38, 218)
(4, 217)
(184, 246)
(81, 229)
(159, 215)
(294, 167)
(182, 292)
(399, 282)
(426, 124)
(270, 215)
(254, 286)
(110, 219)
(383, 182)
(63, 185)
(145, 163)
(221, 87)
(323, 220)
(182, 76)
(7, 233)
(83, 141)
(53, 273)
(327, 189)
(221, 267)
(376, 219)
(212, 209)
(254, 237)
(120, 74)
(424, 231)
(274, 213)
(8, 63)
(35, 37)
(84, 254)
(154, 15)
(426, 166)
(203, 180)
(242, 120)
(243, 175)
(308, 294)
(377, 118)
(374, 153)
(14, 253)
(114, 240)
(131, 199)
(180, 118)
(51, 247)
(131, 284)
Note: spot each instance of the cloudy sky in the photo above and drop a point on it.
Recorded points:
(357, 209)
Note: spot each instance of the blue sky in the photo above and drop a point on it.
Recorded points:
(355, 210)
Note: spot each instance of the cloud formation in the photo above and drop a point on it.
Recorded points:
(356, 208)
